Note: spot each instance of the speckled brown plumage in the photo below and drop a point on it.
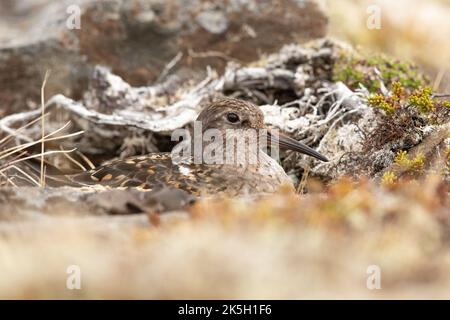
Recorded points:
(156, 171)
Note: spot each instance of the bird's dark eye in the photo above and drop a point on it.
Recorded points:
(232, 117)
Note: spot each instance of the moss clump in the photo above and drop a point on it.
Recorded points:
(405, 73)
(420, 99)
(345, 70)
(403, 116)
(390, 103)
(389, 178)
(353, 69)
(415, 164)
(380, 101)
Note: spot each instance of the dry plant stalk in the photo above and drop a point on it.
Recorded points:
(18, 151)
(302, 185)
(85, 159)
(42, 178)
(77, 163)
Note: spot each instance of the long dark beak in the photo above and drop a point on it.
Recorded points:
(288, 143)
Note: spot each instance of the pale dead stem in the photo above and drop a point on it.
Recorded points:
(10, 151)
(212, 54)
(85, 159)
(42, 178)
(17, 152)
(16, 133)
(33, 156)
(302, 184)
(441, 95)
(77, 163)
(24, 173)
(8, 179)
(172, 63)
(437, 81)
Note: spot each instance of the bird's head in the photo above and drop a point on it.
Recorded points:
(228, 113)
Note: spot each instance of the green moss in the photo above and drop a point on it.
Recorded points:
(389, 103)
(353, 69)
(422, 100)
(414, 164)
(345, 70)
(402, 158)
(389, 178)
(380, 101)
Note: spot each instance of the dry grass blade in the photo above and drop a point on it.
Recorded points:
(10, 163)
(24, 146)
(302, 185)
(15, 133)
(29, 177)
(172, 63)
(85, 159)
(47, 73)
(14, 155)
(78, 164)
(9, 151)
(7, 179)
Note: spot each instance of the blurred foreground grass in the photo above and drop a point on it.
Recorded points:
(283, 246)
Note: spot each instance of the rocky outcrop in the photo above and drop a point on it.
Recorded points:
(141, 40)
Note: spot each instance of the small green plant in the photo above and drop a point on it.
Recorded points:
(389, 178)
(380, 101)
(398, 91)
(354, 69)
(402, 158)
(415, 164)
(422, 100)
(389, 103)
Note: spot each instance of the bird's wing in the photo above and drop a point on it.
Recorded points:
(150, 172)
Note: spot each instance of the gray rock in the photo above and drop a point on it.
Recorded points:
(213, 21)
